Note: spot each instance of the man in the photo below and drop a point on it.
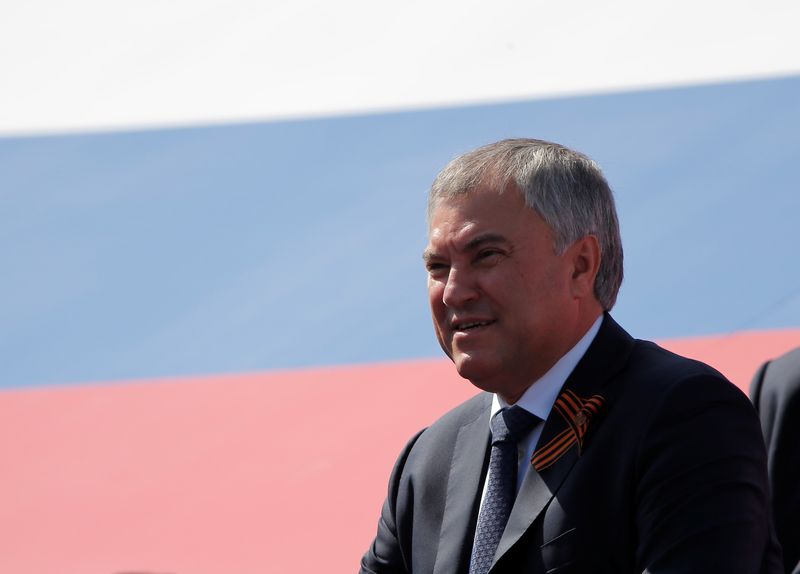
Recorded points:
(589, 451)
(775, 391)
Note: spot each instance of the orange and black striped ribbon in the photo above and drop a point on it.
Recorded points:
(578, 413)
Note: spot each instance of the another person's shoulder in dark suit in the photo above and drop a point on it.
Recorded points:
(775, 392)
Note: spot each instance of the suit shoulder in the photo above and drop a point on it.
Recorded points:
(785, 370)
(448, 425)
(426, 459)
(467, 411)
(429, 445)
(651, 357)
(776, 389)
(661, 374)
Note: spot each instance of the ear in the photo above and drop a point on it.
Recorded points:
(585, 260)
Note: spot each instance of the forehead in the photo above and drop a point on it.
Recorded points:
(483, 210)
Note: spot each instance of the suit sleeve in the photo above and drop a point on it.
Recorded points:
(385, 555)
(702, 495)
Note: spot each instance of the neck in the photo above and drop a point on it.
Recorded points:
(512, 393)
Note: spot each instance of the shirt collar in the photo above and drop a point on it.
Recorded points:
(542, 394)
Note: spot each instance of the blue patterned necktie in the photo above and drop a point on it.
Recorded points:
(508, 427)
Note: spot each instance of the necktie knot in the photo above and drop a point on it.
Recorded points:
(512, 424)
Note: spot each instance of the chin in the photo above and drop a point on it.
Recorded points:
(476, 372)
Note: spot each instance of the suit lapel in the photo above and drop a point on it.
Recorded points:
(463, 491)
(606, 356)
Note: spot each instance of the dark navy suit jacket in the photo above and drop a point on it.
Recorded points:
(776, 394)
(670, 476)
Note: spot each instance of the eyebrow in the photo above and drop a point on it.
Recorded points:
(480, 240)
(473, 244)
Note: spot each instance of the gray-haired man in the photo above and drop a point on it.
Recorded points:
(589, 451)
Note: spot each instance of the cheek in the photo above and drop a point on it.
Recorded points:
(438, 308)
(435, 293)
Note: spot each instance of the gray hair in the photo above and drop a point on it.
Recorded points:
(565, 187)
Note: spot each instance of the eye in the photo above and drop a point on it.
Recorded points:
(435, 268)
(488, 255)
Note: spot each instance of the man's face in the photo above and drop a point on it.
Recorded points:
(502, 300)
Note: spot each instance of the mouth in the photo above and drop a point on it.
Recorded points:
(468, 326)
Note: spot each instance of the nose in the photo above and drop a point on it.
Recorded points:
(460, 288)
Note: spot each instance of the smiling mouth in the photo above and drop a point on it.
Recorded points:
(464, 327)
